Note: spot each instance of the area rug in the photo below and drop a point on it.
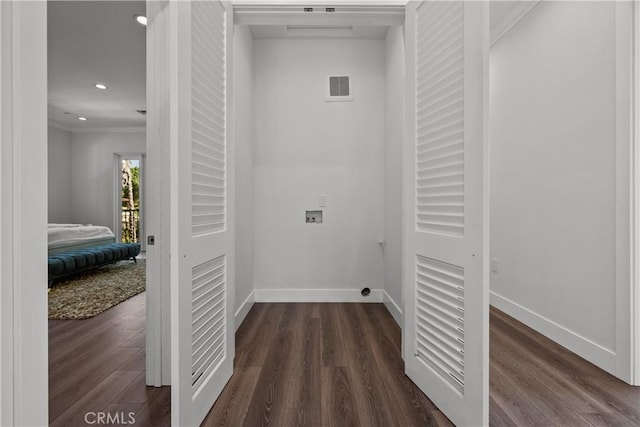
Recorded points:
(86, 295)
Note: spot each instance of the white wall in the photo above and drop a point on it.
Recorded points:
(305, 147)
(59, 162)
(243, 92)
(553, 175)
(393, 134)
(92, 159)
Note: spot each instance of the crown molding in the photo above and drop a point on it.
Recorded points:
(132, 129)
(115, 129)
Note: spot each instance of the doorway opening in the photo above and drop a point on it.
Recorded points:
(98, 361)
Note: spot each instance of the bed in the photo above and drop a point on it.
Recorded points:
(67, 237)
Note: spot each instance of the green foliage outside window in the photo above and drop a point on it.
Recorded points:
(130, 202)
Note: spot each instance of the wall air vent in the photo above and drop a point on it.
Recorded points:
(340, 88)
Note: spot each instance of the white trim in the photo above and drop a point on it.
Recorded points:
(348, 13)
(624, 208)
(393, 308)
(307, 3)
(132, 129)
(6, 221)
(242, 312)
(635, 205)
(23, 213)
(316, 295)
(158, 295)
(518, 12)
(583, 347)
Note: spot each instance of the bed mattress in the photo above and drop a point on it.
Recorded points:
(64, 237)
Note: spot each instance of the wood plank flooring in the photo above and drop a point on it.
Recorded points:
(326, 365)
(354, 350)
(536, 382)
(98, 365)
(321, 365)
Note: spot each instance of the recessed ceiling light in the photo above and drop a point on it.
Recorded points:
(141, 19)
(84, 119)
(101, 86)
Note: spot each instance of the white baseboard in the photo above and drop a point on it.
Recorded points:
(316, 295)
(583, 347)
(393, 308)
(244, 309)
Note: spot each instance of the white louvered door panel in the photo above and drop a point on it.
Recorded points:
(208, 320)
(440, 120)
(446, 211)
(202, 201)
(208, 117)
(440, 319)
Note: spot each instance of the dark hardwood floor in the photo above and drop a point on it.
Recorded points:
(326, 365)
(339, 365)
(536, 382)
(98, 365)
(320, 365)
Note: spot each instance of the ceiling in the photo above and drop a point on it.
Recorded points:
(91, 42)
(100, 42)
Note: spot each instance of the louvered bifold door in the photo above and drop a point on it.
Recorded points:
(202, 201)
(446, 206)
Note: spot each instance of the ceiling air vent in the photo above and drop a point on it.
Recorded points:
(340, 89)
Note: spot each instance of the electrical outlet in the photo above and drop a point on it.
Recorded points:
(313, 217)
(322, 200)
(494, 265)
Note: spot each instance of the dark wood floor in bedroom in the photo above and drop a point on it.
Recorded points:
(98, 364)
(326, 364)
